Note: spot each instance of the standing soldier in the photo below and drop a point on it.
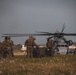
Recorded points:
(49, 46)
(11, 45)
(30, 43)
(1, 52)
(7, 47)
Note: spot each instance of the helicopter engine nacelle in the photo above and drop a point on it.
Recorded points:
(70, 42)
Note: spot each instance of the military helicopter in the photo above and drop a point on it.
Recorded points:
(58, 37)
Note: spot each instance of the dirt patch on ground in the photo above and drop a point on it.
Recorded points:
(20, 53)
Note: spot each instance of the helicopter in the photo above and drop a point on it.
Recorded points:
(57, 36)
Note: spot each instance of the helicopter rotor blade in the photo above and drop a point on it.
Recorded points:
(43, 32)
(63, 28)
(69, 34)
(38, 34)
(23, 35)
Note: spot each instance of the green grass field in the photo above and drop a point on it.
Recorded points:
(56, 65)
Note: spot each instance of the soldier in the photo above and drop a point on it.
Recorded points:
(1, 52)
(30, 43)
(11, 45)
(49, 46)
(7, 47)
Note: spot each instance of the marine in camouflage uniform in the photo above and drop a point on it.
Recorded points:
(49, 46)
(30, 43)
(11, 45)
(7, 47)
(1, 51)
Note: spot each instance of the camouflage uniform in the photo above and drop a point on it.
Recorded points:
(1, 51)
(30, 46)
(7, 47)
(11, 45)
(49, 46)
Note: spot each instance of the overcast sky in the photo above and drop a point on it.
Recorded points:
(28, 16)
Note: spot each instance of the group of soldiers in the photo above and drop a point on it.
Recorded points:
(6, 48)
(33, 49)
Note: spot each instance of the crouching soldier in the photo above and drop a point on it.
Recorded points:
(36, 52)
(7, 47)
